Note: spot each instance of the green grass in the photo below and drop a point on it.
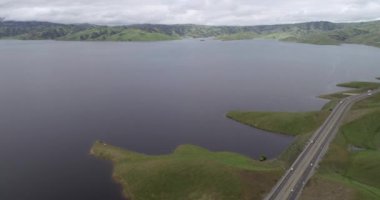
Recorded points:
(337, 96)
(138, 35)
(334, 186)
(301, 125)
(373, 102)
(331, 104)
(365, 168)
(298, 124)
(189, 173)
(317, 37)
(281, 122)
(360, 85)
(364, 132)
(358, 168)
(359, 172)
(329, 188)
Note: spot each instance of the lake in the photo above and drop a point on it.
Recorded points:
(58, 98)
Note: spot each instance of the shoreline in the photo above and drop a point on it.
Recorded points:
(276, 164)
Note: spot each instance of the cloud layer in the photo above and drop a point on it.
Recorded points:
(209, 12)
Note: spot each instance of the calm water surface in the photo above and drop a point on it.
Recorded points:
(57, 98)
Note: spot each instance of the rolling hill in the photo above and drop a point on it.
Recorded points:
(323, 33)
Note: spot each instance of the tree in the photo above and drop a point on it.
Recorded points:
(263, 158)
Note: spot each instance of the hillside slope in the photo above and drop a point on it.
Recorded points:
(325, 33)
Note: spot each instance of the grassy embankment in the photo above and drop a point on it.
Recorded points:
(195, 173)
(301, 125)
(353, 160)
(298, 124)
(351, 168)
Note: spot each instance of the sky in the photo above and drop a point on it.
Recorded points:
(207, 12)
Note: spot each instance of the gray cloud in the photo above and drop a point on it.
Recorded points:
(211, 12)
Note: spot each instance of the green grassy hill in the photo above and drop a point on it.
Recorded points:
(323, 33)
(96, 34)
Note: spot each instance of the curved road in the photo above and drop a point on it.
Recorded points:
(290, 186)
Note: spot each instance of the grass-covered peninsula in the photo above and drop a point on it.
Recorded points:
(350, 169)
(190, 172)
(322, 33)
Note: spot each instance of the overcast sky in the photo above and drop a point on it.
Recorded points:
(209, 12)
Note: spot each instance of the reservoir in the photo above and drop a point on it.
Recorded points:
(57, 98)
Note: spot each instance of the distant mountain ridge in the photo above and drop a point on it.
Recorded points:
(322, 32)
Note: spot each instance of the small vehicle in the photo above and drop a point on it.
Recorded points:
(311, 164)
(369, 94)
(292, 190)
(291, 169)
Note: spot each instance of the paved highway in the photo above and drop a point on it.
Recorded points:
(290, 186)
